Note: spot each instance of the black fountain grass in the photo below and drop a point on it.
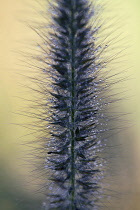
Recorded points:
(75, 107)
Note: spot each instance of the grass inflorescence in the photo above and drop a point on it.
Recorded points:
(75, 117)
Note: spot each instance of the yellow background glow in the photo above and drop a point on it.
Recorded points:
(15, 36)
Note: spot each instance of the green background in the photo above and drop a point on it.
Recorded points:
(17, 190)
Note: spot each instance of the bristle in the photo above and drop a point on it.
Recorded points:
(76, 110)
(75, 120)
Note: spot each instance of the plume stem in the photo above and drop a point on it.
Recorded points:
(72, 43)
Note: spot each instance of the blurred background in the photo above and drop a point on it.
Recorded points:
(17, 190)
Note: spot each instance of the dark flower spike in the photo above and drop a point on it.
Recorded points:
(74, 107)
(73, 161)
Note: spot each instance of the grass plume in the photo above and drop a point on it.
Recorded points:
(74, 104)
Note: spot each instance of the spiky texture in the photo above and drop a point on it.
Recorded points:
(78, 99)
(76, 109)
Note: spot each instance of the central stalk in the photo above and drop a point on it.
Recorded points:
(72, 63)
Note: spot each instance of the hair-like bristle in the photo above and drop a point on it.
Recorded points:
(75, 122)
(76, 130)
